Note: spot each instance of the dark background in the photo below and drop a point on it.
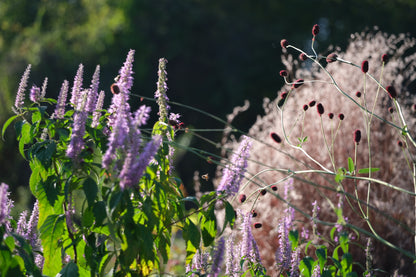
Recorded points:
(219, 52)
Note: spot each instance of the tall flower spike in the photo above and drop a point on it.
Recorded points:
(93, 91)
(20, 96)
(96, 115)
(162, 88)
(4, 199)
(233, 173)
(44, 85)
(35, 94)
(76, 89)
(60, 105)
(218, 257)
(78, 131)
(32, 226)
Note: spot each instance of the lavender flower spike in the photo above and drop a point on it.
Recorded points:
(96, 115)
(35, 94)
(44, 85)
(76, 89)
(78, 131)
(162, 88)
(20, 96)
(60, 105)
(93, 91)
(218, 258)
(4, 203)
(233, 173)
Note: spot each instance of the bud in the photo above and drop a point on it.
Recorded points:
(312, 103)
(303, 57)
(298, 83)
(391, 91)
(320, 109)
(341, 116)
(385, 58)
(358, 94)
(357, 136)
(276, 137)
(283, 73)
(242, 198)
(364, 66)
(331, 115)
(257, 225)
(315, 30)
(305, 107)
(331, 58)
(284, 43)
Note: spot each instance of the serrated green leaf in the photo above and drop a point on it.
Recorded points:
(51, 232)
(193, 234)
(294, 238)
(99, 213)
(209, 227)
(6, 124)
(305, 266)
(90, 189)
(229, 216)
(351, 166)
(367, 170)
(70, 270)
(24, 138)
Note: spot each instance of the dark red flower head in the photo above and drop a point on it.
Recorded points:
(298, 83)
(283, 95)
(257, 225)
(315, 29)
(305, 107)
(331, 58)
(303, 57)
(385, 58)
(391, 110)
(357, 136)
(414, 107)
(331, 115)
(320, 109)
(341, 116)
(358, 94)
(283, 73)
(400, 143)
(253, 213)
(274, 187)
(263, 192)
(312, 103)
(275, 137)
(242, 198)
(364, 66)
(391, 91)
(284, 43)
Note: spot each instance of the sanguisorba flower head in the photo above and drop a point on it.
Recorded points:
(331, 58)
(162, 88)
(364, 66)
(20, 95)
(315, 30)
(233, 173)
(391, 91)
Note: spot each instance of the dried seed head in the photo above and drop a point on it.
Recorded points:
(331, 58)
(358, 94)
(257, 225)
(305, 107)
(391, 91)
(283, 73)
(275, 137)
(364, 66)
(331, 115)
(341, 116)
(242, 198)
(298, 83)
(303, 57)
(312, 103)
(315, 30)
(320, 109)
(284, 43)
(385, 58)
(357, 136)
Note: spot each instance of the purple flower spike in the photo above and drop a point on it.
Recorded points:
(60, 105)
(44, 85)
(162, 88)
(96, 115)
(218, 258)
(233, 173)
(142, 115)
(20, 96)
(93, 91)
(35, 94)
(4, 203)
(76, 89)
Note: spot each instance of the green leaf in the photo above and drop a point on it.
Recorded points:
(190, 251)
(51, 232)
(351, 166)
(24, 138)
(209, 227)
(229, 216)
(294, 238)
(6, 124)
(305, 266)
(193, 234)
(340, 175)
(87, 218)
(322, 254)
(90, 189)
(367, 170)
(70, 270)
(99, 213)
(346, 262)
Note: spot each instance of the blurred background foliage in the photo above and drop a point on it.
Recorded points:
(219, 52)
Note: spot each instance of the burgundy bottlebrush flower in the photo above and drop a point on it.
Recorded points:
(284, 43)
(303, 57)
(358, 94)
(20, 95)
(391, 110)
(274, 187)
(263, 192)
(305, 107)
(312, 103)
(253, 213)
(320, 109)
(341, 116)
(283, 73)
(284, 94)
(242, 198)
(275, 137)
(331, 58)
(364, 66)
(115, 89)
(357, 136)
(400, 143)
(331, 115)
(384, 58)
(35, 94)
(298, 83)
(60, 105)
(233, 173)
(257, 225)
(391, 91)
(315, 30)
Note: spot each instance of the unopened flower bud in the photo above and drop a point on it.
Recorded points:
(298, 83)
(364, 66)
(257, 225)
(275, 137)
(242, 198)
(358, 94)
(341, 116)
(385, 58)
(320, 109)
(357, 136)
(305, 107)
(303, 57)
